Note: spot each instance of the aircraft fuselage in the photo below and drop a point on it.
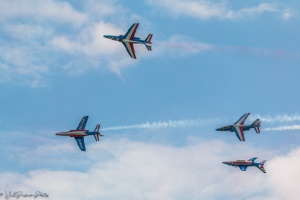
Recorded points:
(120, 38)
(244, 164)
(74, 133)
(238, 163)
(231, 128)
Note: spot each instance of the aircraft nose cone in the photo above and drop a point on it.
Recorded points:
(218, 129)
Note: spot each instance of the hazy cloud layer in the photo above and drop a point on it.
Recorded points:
(125, 169)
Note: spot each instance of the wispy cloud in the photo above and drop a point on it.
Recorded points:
(287, 14)
(31, 31)
(203, 9)
(183, 46)
(179, 45)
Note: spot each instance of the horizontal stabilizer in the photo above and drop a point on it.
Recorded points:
(97, 128)
(148, 42)
(261, 166)
(97, 133)
(149, 47)
(252, 159)
(148, 38)
(256, 125)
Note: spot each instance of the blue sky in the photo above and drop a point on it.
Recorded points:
(212, 61)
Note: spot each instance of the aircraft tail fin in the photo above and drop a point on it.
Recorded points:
(261, 166)
(252, 159)
(148, 42)
(97, 133)
(256, 125)
(148, 38)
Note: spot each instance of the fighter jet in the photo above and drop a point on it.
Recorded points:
(243, 164)
(80, 132)
(239, 127)
(128, 40)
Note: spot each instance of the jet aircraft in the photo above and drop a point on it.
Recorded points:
(239, 127)
(243, 164)
(128, 40)
(81, 132)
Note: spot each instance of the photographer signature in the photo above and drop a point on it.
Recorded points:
(20, 194)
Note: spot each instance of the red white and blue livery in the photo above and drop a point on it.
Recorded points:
(243, 164)
(128, 40)
(81, 132)
(239, 127)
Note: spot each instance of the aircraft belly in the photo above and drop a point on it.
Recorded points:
(246, 128)
(72, 134)
(132, 41)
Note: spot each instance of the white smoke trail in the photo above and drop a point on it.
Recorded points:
(283, 118)
(283, 128)
(166, 124)
(277, 118)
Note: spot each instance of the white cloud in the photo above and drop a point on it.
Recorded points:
(125, 169)
(285, 181)
(35, 10)
(287, 14)
(40, 38)
(90, 45)
(203, 9)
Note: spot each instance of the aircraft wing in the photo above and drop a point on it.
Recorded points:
(242, 120)
(80, 143)
(243, 168)
(131, 32)
(129, 48)
(239, 133)
(81, 125)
